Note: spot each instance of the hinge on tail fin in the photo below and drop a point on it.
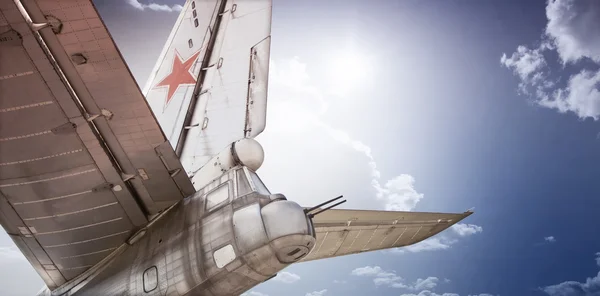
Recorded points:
(317, 207)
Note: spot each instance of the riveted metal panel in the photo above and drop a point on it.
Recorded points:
(71, 130)
(344, 232)
(249, 229)
(232, 96)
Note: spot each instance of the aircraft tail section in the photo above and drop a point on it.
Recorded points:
(170, 87)
(209, 86)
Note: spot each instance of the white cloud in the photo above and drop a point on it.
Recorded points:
(300, 107)
(380, 277)
(287, 277)
(443, 241)
(525, 62)
(340, 282)
(389, 279)
(429, 293)
(447, 281)
(426, 284)
(367, 270)
(254, 293)
(550, 239)
(581, 96)
(571, 32)
(431, 244)
(398, 193)
(573, 288)
(531, 68)
(591, 286)
(154, 6)
(317, 293)
(292, 77)
(343, 137)
(573, 25)
(136, 4)
(435, 243)
(466, 229)
(392, 280)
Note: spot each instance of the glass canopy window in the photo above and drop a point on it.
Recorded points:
(257, 183)
(248, 181)
(242, 183)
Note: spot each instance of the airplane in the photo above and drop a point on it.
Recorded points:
(107, 189)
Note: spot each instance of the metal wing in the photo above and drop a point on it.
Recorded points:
(83, 162)
(228, 100)
(345, 232)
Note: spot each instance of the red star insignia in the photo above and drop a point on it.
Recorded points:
(180, 75)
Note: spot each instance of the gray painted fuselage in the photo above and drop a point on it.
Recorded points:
(188, 250)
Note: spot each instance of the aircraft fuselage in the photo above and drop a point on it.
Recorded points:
(223, 240)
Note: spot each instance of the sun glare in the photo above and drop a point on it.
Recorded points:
(347, 71)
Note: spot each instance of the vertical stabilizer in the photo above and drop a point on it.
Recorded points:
(170, 87)
(209, 87)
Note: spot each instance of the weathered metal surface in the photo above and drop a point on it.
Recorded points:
(191, 247)
(345, 232)
(170, 87)
(229, 99)
(247, 152)
(69, 132)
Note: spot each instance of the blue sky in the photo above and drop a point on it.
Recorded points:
(425, 106)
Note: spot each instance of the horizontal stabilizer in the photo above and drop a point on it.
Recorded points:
(345, 232)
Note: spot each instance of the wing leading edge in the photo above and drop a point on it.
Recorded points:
(345, 232)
